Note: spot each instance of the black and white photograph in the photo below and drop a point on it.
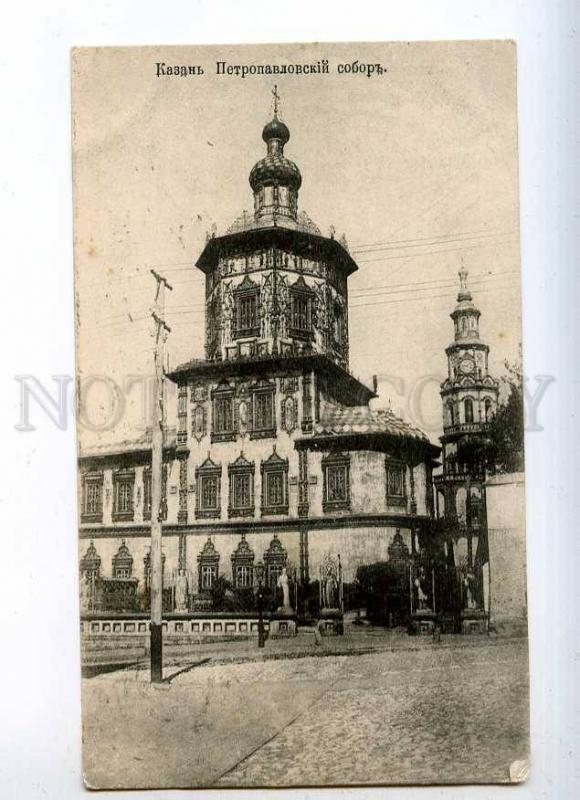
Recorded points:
(301, 549)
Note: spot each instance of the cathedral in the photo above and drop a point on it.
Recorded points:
(276, 457)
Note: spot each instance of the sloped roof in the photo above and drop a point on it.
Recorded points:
(137, 445)
(361, 428)
(341, 420)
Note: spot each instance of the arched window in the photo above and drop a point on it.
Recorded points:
(487, 410)
(208, 567)
(122, 562)
(451, 412)
(468, 406)
(91, 564)
(274, 560)
(243, 565)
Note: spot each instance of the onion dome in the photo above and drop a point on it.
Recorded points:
(275, 169)
(275, 129)
(275, 180)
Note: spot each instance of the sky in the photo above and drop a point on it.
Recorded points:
(417, 167)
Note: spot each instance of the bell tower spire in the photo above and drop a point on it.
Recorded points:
(469, 394)
(465, 315)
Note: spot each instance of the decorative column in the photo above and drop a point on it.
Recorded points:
(469, 532)
(307, 403)
(429, 493)
(412, 487)
(303, 504)
(303, 507)
(182, 512)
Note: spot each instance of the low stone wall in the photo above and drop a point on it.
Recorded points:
(133, 629)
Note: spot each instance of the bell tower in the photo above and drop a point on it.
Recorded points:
(469, 396)
(469, 393)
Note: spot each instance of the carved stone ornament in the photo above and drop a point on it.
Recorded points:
(243, 416)
(198, 422)
(289, 416)
(199, 393)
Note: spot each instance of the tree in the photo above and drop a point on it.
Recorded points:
(505, 435)
(384, 590)
(500, 448)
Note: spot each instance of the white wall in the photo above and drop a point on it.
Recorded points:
(507, 547)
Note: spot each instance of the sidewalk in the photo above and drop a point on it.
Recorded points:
(355, 641)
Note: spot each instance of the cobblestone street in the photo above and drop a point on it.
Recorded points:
(448, 716)
(433, 714)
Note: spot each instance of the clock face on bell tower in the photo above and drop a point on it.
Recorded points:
(469, 393)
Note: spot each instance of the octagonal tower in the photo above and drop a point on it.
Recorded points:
(274, 284)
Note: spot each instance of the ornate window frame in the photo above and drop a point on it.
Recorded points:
(301, 293)
(246, 292)
(331, 464)
(208, 564)
(260, 392)
(275, 559)
(90, 564)
(182, 416)
(241, 469)
(243, 565)
(92, 481)
(122, 566)
(274, 467)
(208, 471)
(398, 551)
(395, 469)
(123, 477)
(223, 393)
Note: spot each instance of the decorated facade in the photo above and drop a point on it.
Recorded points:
(276, 457)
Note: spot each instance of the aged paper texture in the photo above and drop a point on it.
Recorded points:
(301, 471)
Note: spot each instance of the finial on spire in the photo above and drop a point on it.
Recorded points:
(276, 99)
(464, 293)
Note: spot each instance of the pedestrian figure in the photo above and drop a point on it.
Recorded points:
(317, 636)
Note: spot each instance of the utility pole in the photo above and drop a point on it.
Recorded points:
(157, 441)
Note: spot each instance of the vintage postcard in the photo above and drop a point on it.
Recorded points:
(301, 469)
